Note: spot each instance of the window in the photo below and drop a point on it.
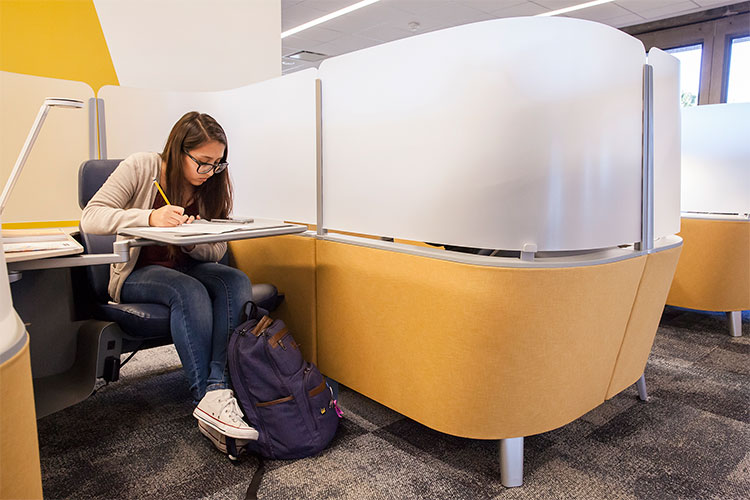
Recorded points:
(713, 47)
(738, 74)
(690, 58)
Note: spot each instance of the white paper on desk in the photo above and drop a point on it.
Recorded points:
(199, 228)
(37, 246)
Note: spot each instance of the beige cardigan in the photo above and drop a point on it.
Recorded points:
(125, 200)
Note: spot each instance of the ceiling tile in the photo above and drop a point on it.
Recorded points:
(714, 3)
(640, 6)
(557, 4)
(438, 14)
(385, 33)
(365, 18)
(673, 9)
(345, 44)
(318, 34)
(599, 13)
(522, 9)
(489, 6)
(297, 66)
(298, 14)
(627, 20)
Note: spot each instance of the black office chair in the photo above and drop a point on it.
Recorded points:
(123, 328)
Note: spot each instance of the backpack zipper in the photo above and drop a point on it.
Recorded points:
(305, 379)
(241, 388)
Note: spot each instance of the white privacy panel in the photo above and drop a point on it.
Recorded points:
(139, 119)
(495, 134)
(666, 125)
(47, 189)
(270, 129)
(716, 158)
(277, 147)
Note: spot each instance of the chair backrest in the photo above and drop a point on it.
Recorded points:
(91, 176)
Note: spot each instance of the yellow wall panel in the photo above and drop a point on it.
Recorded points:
(20, 475)
(55, 38)
(713, 273)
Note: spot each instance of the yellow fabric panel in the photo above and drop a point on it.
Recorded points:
(644, 319)
(57, 39)
(41, 225)
(20, 472)
(288, 262)
(472, 351)
(713, 273)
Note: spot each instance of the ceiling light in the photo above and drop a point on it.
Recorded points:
(306, 55)
(572, 8)
(328, 17)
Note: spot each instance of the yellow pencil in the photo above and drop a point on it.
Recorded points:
(162, 192)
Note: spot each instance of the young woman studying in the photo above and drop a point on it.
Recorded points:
(205, 298)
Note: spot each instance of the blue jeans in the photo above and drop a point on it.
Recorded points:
(205, 302)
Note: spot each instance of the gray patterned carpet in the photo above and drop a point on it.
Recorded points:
(136, 439)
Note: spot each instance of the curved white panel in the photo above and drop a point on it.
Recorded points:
(46, 189)
(270, 129)
(716, 159)
(666, 142)
(11, 328)
(494, 134)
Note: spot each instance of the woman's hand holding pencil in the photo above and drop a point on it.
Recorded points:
(168, 215)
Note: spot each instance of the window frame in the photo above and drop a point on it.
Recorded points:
(716, 37)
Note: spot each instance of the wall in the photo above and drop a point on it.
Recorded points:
(166, 44)
(192, 44)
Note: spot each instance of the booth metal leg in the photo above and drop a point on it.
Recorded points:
(735, 323)
(641, 386)
(511, 462)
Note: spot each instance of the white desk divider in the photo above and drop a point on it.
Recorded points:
(716, 159)
(66, 140)
(666, 142)
(270, 129)
(498, 134)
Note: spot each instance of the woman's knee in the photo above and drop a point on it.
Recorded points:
(219, 278)
(164, 286)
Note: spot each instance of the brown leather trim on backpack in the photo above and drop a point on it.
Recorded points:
(274, 341)
(317, 390)
(274, 402)
(264, 323)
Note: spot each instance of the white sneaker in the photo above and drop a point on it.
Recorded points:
(220, 410)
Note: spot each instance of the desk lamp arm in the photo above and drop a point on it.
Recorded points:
(30, 139)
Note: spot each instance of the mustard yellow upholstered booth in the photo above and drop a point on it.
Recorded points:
(713, 273)
(489, 348)
(20, 474)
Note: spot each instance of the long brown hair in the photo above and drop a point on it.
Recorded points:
(214, 197)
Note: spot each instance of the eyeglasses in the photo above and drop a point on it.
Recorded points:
(204, 168)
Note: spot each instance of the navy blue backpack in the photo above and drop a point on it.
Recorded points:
(283, 396)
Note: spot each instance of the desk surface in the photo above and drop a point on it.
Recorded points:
(190, 234)
(31, 244)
